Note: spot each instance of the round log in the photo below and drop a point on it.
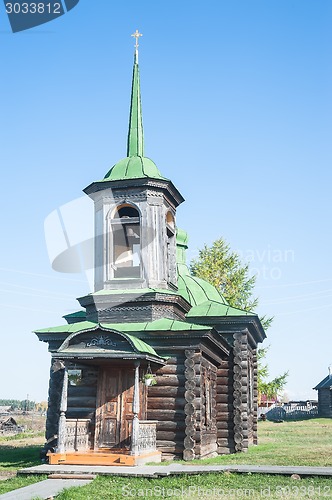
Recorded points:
(189, 409)
(189, 353)
(238, 437)
(170, 436)
(162, 391)
(224, 424)
(223, 381)
(171, 380)
(188, 455)
(175, 445)
(166, 415)
(190, 385)
(223, 433)
(190, 430)
(189, 442)
(237, 385)
(170, 426)
(224, 407)
(189, 396)
(189, 363)
(165, 403)
(189, 373)
(224, 390)
(223, 398)
(223, 372)
(170, 370)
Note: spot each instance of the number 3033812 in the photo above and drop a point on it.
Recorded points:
(33, 8)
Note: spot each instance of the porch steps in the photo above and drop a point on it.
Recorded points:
(102, 458)
(91, 458)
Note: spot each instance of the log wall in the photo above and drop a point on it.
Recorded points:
(81, 402)
(240, 393)
(224, 407)
(53, 409)
(255, 398)
(166, 403)
(192, 403)
(206, 444)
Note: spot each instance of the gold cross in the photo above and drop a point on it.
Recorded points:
(137, 34)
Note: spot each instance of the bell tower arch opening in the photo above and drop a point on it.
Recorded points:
(125, 242)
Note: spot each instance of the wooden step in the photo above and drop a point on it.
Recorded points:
(91, 458)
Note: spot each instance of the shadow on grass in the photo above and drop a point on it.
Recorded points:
(13, 458)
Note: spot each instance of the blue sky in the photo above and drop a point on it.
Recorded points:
(237, 112)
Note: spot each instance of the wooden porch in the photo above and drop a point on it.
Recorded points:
(117, 434)
(78, 451)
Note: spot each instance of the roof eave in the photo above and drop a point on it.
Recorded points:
(165, 184)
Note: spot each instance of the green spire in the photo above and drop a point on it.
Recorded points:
(135, 135)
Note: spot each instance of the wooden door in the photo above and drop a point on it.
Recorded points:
(114, 412)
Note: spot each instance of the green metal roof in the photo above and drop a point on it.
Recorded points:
(140, 345)
(76, 314)
(211, 308)
(86, 326)
(133, 167)
(163, 324)
(135, 146)
(194, 290)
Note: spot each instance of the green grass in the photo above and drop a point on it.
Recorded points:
(21, 435)
(211, 486)
(18, 482)
(13, 458)
(290, 443)
(305, 442)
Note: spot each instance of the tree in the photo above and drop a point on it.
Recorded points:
(271, 389)
(223, 268)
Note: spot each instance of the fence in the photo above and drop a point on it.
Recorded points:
(292, 412)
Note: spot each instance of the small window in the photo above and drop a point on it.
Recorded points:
(126, 242)
(74, 377)
(170, 222)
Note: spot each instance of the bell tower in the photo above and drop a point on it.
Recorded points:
(135, 214)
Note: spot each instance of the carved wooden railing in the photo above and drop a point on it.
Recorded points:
(77, 434)
(147, 436)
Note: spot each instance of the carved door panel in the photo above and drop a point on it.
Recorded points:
(107, 433)
(114, 412)
(127, 396)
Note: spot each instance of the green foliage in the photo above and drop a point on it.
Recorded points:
(16, 404)
(150, 379)
(223, 268)
(271, 389)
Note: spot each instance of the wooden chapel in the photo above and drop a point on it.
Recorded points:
(148, 322)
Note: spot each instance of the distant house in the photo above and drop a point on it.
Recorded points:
(324, 389)
(4, 409)
(8, 425)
